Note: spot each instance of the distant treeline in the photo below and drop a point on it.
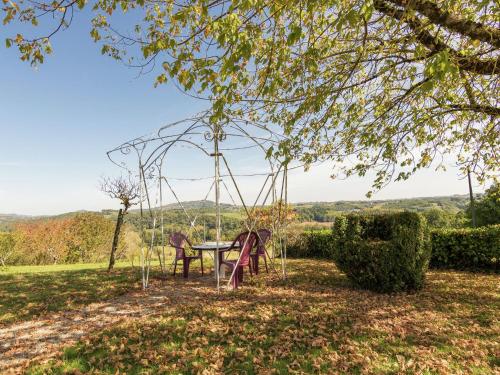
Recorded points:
(306, 212)
(441, 210)
(87, 237)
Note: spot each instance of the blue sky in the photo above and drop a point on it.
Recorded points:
(58, 121)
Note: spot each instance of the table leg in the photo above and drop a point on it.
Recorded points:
(216, 266)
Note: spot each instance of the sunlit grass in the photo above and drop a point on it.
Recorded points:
(59, 267)
(30, 291)
(27, 292)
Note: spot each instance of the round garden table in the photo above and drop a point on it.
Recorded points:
(212, 246)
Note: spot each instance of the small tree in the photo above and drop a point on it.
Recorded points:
(43, 241)
(127, 191)
(278, 214)
(89, 237)
(275, 217)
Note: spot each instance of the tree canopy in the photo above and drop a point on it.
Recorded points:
(488, 207)
(384, 85)
(85, 237)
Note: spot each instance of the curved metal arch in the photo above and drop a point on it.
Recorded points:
(154, 155)
(196, 122)
(170, 140)
(195, 118)
(125, 149)
(149, 162)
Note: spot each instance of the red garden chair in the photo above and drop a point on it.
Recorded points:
(246, 242)
(178, 241)
(264, 235)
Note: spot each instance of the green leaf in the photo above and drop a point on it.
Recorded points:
(295, 34)
(269, 152)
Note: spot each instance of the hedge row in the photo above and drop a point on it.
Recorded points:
(463, 249)
(311, 244)
(467, 248)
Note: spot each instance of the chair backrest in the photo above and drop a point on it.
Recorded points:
(178, 240)
(264, 236)
(247, 241)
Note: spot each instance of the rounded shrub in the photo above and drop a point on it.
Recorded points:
(383, 252)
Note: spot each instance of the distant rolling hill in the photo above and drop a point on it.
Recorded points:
(195, 205)
(8, 220)
(453, 203)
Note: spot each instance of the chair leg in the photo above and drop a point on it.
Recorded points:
(240, 274)
(175, 266)
(234, 279)
(265, 263)
(256, 265)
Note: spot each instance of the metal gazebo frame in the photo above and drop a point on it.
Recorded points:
(200, 133)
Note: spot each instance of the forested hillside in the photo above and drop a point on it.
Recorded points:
(307, 211)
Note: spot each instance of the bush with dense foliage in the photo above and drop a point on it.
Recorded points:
(85, 237)
(384, 252)
(466, 248)
(439, 218)
(488, 207)
(311, 244)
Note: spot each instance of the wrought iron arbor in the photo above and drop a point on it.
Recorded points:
(152, 158)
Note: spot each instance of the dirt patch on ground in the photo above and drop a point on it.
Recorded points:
(42, 338)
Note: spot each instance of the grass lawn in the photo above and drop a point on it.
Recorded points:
(315, 322)
(29, 291)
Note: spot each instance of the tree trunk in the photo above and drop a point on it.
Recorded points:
(471, 197)
(116, 237)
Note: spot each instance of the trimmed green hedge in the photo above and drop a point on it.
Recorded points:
(467, 248)
(311, 244)
(383, 252)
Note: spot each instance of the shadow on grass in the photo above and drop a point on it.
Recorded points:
(26, 295)
(313, 322)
